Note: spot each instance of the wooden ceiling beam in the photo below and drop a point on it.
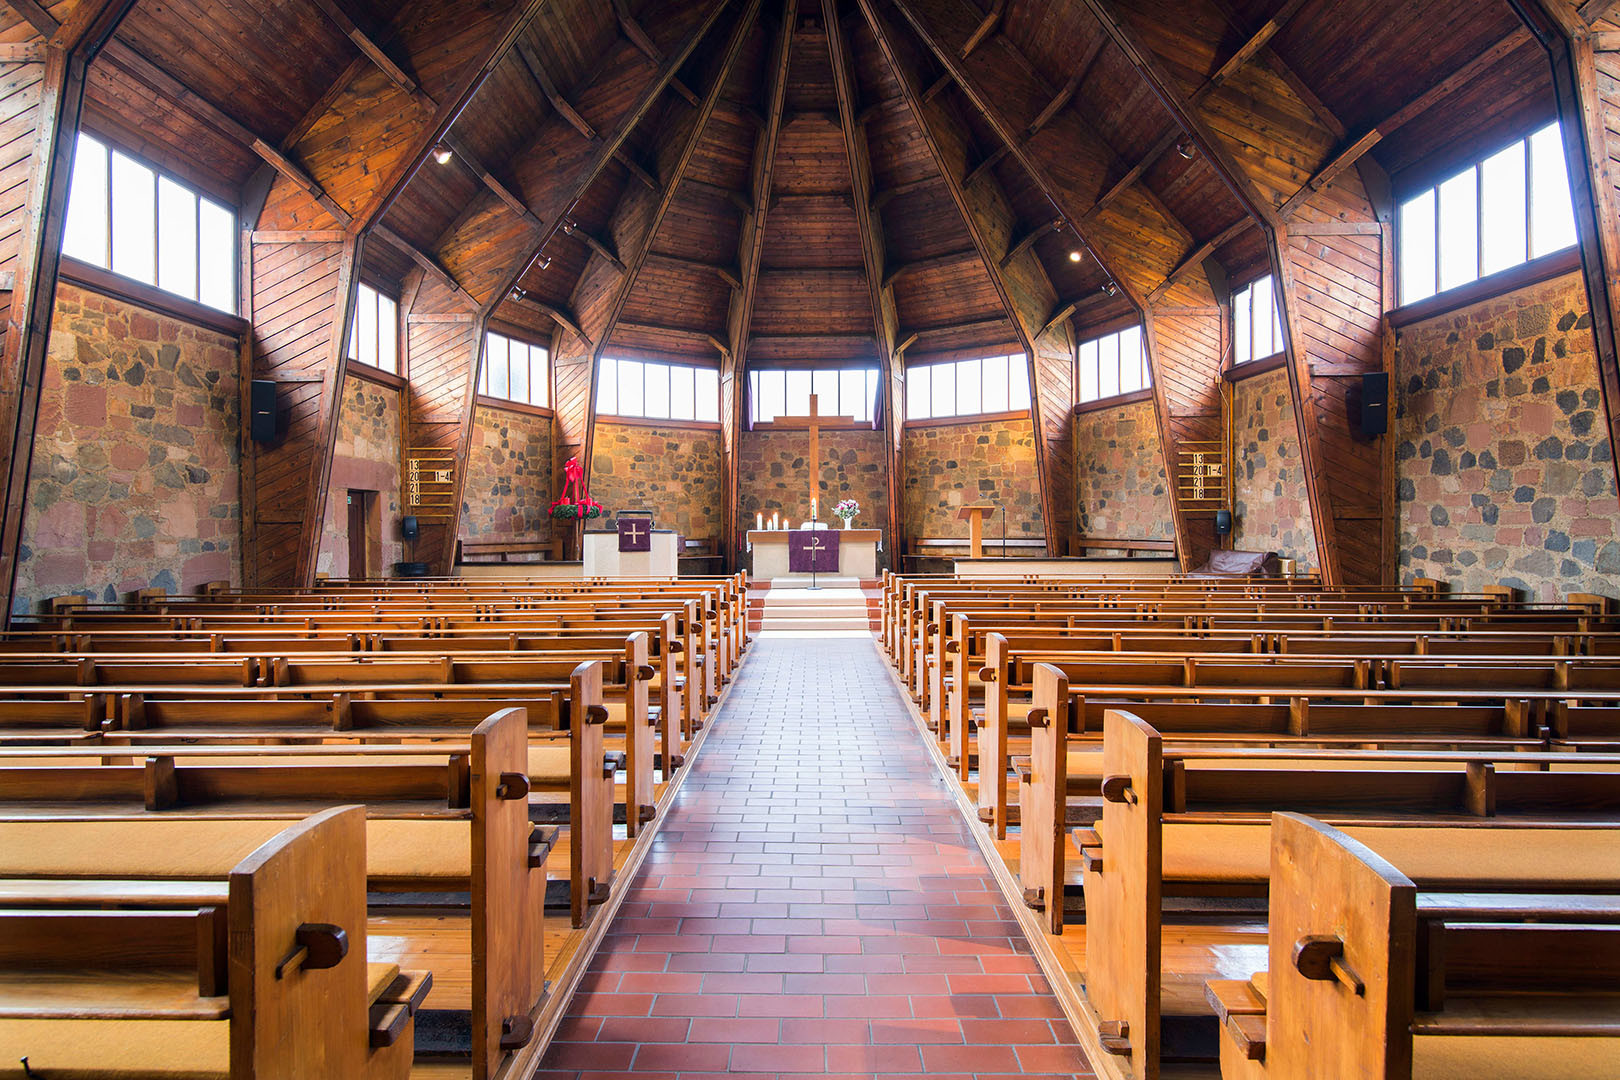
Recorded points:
(536, 68)
(727, 274)
(1200, 252)
(421, 258)
(138, 66)
(755, 118)
(684, 91)
(369, 48)
(736, 198)
(596, 244)
(998, 322)
(470, 162)
(1062, 312)
(295, 172)
(1028, 240)
(637, 170)
(982, 169)
(36, 16)
(934, 262)
(1070, 88)
(865, 339)
(1593, 10)
(986, 27)
(632, 30)
(559, 315)
(628, 327)
(887, 195)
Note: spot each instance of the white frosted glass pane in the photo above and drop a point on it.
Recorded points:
(365, 318)
(708, 395)
(852, 399)
(217, 250)
(871, 394)
(1459, 230)
(86, 235)
(1552, 215)
(1243, 326)
(995, 384)
(797, 399)
(1088, 372)
(1108, 366)
(1018, 383)
(607, 387)
(387, 334)
(657, 398)
(1130, 360)
(500, 372)
(919, 393)
(518, 359)
(944, 403)
(681, 390)
(969, 387)
(540, 375)
(824, 384)
(772, 395)
(632, 388)
(134, 219)
(1417, 248)
(1266, 338)
(177, 239)
(1503, 211)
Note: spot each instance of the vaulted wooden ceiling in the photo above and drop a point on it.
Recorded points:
(737, 181)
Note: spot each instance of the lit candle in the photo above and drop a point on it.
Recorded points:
(773, 519)
(759, 521)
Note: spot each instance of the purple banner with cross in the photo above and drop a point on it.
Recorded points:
(635, 534)
(813, 551)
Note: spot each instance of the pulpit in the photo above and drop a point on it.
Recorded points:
(632, 549)
(975, 516)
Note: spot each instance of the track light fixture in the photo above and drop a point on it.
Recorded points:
(441, 154)
(568, 226)
(544, 262)
(1186, 148)
(1110, 289)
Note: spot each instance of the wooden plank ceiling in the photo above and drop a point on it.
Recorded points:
(726, 182)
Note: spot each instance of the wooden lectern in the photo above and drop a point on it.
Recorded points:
(975, 517)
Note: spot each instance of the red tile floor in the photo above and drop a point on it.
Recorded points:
(813, 904)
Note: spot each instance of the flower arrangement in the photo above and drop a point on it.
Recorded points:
(847, 510)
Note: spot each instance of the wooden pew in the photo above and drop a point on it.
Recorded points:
(267, 979)
(1374, 971)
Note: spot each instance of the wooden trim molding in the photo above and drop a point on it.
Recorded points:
(1236, 373)
(652, 421)
(376, 375)
(972, 418)
(94, 278)
(514, 406)
(1114, 402)
(1534, 272)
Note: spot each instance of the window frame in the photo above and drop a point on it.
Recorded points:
(530, 349)
(351, 342)
(1120, 396)
(1255, 362)
(869, 416)
(700, 374)
(915, 377)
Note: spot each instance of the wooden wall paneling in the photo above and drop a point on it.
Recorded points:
(1026, 293)
(885, 320)
(750, 252)
(43, 99)
(1586, 79)
(602, 291)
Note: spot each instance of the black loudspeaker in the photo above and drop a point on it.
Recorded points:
(1374, 403)
(1223, 522)
(262, 409)
(408, 527)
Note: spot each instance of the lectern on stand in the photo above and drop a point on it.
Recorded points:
(975, 516)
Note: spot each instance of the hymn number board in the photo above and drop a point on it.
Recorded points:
(430, 482)
(1201, 476)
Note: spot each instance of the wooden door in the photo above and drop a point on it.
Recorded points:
(358, 525)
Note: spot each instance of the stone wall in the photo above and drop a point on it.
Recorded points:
(774, 477)
(1120, 487)
(953, 465)
(509, 477)
(675, 472)
(1504, 467)
(1271, 508)
(135, 480)
(366, 458)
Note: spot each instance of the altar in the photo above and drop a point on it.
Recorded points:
(857, 554)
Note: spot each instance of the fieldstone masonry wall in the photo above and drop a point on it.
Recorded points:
(366, 458)
(1121, 491)
(509, 477)
(954, 465)
(774, 477)
(135, 479)
(1503, 464)
(1271, 507)
(674, 472)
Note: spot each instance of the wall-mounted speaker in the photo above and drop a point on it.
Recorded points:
(408, 527)
(1374, 403)
(262, 411)
(1223, 522)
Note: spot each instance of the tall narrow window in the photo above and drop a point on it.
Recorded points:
(374, 334)
(1256, 326)
(1496, 214)
(656, 391)
(838, 392)
(126, 217)
(1112, 365)
(973, 387)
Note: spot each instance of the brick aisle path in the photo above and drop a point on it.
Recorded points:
(813, 903)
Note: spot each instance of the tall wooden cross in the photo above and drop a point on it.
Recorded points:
(813, 423)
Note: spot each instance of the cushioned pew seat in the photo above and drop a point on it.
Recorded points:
(1434, 857)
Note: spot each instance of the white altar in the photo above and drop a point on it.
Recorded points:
(857, 554)
(604, 559)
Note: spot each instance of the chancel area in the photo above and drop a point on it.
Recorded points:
(972, 538)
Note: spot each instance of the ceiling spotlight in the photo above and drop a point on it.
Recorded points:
(517, 293)
(1110, 289)
(1075, 256)
(441, 154)
(544, 262)
(568, 226)
(1186, 148)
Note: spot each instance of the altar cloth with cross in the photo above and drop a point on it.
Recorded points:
(635, 534)
(813, 551)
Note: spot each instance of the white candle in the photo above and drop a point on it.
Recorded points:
(773, 519)
(759, 521)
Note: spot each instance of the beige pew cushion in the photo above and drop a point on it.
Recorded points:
(116, 1049)
(1499, 1058)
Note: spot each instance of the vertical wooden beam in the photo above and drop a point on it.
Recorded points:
(37, 257)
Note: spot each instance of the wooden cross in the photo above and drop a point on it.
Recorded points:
(813, 423)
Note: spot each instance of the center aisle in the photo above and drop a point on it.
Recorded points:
(814, 904)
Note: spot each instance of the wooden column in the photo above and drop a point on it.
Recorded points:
(46, 92)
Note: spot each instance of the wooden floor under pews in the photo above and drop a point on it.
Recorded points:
(1275, 829)
(506, 753)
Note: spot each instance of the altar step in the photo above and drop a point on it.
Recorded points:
(795, 608)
